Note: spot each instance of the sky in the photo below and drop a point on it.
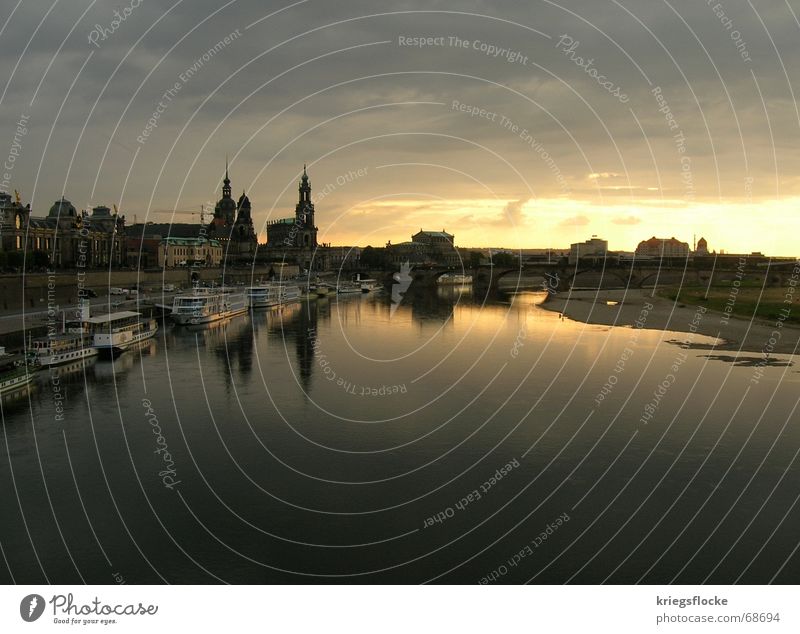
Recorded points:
(516, 123)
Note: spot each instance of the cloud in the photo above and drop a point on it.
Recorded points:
(602, 175)
(626, 220)
(574, 221)
(512, 212)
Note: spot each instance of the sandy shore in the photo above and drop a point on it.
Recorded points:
(657, 313)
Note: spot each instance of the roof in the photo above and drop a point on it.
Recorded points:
(436, 234)
(282, 221)
(655, 241)
(172, 240)
(178, 230)
(103, 319)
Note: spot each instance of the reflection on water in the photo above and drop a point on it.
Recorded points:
(315, 442)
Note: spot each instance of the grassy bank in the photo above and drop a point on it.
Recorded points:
(747, 301)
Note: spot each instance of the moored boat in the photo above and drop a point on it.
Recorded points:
(272, 294)
(14, 371)
(116, 332)
(73, 343)
(62, 348)
(454, 278)
(348, 287)
(205, 305)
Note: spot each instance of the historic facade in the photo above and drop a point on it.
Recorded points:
(299, 232)
(426, 248)
(663, 248)
(174, 252)
(65, 237)
(232, 224)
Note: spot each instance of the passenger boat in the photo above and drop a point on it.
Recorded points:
(62, 348)
(348, 287)
(116, 332)
(14, 371)
(453, 278)
(272, 294)
(73, 343)
(204, 305)
(367, 285)
(321, 289)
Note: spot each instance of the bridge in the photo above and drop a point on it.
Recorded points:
(562, 276)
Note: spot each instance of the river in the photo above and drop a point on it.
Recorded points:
(445, 438)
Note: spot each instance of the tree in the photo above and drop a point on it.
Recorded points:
(505, 260)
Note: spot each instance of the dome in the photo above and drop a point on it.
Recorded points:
(62, 208)
(244, 201)
(101, 211)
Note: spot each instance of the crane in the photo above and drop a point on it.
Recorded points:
(201, 213)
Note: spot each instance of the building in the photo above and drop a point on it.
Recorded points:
(702, 247)
(65, 237)
(295, 239)
(592, 251)
(662, 248)
(430, 248)
(200, 251)
(232, 224)
(144, 240)
(299, 232)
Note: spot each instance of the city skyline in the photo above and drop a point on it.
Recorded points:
(523, 136)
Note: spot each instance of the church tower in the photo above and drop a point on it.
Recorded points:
(304, 215)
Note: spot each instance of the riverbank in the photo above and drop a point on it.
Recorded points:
(624, 307)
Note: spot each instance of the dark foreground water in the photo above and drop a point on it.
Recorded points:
(441, 440)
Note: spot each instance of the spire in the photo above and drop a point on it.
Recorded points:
(226, 184)
(305, 187)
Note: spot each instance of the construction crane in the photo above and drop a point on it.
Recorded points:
(201, 213)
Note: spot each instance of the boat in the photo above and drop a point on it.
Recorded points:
(454, 278)
(73, 343)
(14, 371)
(367, 285)
(272, 294)
(348, 287)
(116, 332)
(322, 289)
(62, 348)
(205, 305)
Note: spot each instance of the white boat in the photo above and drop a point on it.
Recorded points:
(272, 294)
(367, 285)
(115, 332)
(14, 371)
(74, 343)
(454, 278)
(204, 305)
(62, 348)
(348, 287)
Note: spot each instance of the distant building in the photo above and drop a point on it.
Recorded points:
(426, 247)
(232, 224)
(300, 231)
(663, 248)
(68, 238)
(591, 251)
(144, 241)
(702, 247)
(201, 251)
